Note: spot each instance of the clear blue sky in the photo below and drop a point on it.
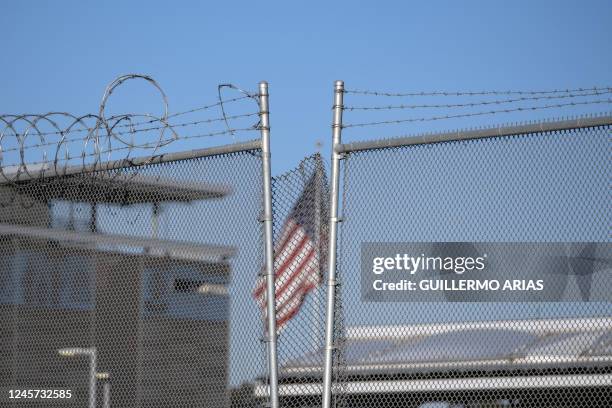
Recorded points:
(60, 55)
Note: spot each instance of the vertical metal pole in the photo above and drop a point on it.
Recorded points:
(269, 248)
(333, 232)
(92, 377)
(316, 324)
(106, 395)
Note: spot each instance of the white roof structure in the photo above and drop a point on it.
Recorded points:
(188, 251)
(560, 351)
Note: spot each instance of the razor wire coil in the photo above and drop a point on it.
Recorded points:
(100, 136)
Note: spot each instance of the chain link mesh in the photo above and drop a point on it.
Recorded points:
(300, 209)
(141, 287)
(132, 287)
(543, 187)
(540, 187)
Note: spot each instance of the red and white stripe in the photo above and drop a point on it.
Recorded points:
(296, 271)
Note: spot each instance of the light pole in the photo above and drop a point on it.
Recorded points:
(105, 388)
(91, 353)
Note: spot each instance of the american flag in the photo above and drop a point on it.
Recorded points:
(298, 252)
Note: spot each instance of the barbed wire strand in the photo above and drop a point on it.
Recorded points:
(464, 115)
(111, 118)
(148, 145)
(480, 103)
(246, 94)
(468, 93)
(131, 131)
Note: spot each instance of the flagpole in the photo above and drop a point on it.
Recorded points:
(269, 249)
(317, 297)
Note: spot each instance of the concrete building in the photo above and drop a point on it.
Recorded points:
(155, 311)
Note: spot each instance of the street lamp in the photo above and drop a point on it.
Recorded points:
(105, 389)
(91, 353)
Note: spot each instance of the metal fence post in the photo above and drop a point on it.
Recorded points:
(269, 245)
(333, 229)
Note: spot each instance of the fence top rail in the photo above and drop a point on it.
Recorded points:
(49, 170)
(585, 122)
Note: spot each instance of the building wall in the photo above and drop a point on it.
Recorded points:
(161, 346)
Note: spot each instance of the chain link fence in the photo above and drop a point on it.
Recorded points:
(140, 282)
(442, 351)
(300, 208)
(132, 287)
